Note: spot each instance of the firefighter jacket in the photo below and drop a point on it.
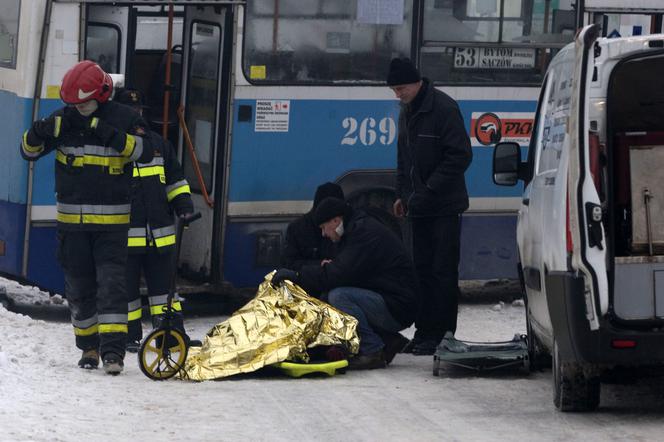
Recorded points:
(158, 189)
(92, 170)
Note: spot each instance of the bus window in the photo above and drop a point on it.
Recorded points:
(102, 45)
(9, 13)
(202, 99)
(493, 41)
(324, 41)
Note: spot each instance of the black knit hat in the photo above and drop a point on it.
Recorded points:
(325, 190)
(329, 208)
(402, 71)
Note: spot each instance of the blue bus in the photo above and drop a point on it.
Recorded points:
(276, 97)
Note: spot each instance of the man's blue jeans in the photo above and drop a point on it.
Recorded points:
(371, 312)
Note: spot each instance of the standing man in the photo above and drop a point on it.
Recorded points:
(95, 146)
(371, 278)
(159, 190)
(433, 154)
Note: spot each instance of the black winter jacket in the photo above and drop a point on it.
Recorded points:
(159, 188)
(369, 256)
(92, 176)
(305, 244)
(433, 154)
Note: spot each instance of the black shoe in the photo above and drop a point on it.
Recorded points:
(133, 346)
(89, 360)
(394, 344)
(426, 347)
(367, 361)
(113, 364)
(413, 342)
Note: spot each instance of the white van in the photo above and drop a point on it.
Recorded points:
(591, 224)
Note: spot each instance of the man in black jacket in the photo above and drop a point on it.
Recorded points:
(433, 152)
(371, 278)
(159, 190)
(95, 143)
(304, 243)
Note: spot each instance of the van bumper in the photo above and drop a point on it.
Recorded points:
(576, 342)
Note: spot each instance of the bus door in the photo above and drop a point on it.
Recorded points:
(106, 33)
(205, 97)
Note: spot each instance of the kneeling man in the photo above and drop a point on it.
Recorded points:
(372, 278)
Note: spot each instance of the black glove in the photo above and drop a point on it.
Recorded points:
(104, 131)
(50, 127)
(282, 274)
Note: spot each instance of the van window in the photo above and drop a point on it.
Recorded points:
(9, 13)
(554, 114)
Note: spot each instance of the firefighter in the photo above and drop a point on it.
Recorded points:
(159, 189)
(95, 146)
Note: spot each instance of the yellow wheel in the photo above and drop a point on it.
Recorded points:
(162, 354)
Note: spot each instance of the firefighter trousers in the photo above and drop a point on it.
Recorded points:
(156, 267)
(94, 264)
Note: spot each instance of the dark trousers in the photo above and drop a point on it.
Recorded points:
(157, 269)
(94, 267)
(436, 249)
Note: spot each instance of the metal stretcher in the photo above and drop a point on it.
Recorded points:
(482, 356)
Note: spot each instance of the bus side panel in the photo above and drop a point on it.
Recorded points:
(13, 180)
(320, 140)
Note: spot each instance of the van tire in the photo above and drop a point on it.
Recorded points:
(573, 389)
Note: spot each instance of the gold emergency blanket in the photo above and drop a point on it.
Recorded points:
(279, 324)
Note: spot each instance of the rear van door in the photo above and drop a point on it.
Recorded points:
(586, 232)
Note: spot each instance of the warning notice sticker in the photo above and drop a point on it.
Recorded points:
(272, 115)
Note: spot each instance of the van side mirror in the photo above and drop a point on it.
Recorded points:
(506, 163)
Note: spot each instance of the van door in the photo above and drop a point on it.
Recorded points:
(585, 212)
(205, 93)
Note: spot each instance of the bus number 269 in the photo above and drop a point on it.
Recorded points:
(368, 132)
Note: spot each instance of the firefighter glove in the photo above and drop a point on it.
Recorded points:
(50, 127)
(104, 131)
(285, 274)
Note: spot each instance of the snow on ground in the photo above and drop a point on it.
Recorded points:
(45, 397)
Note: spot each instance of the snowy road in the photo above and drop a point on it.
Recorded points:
(45, 397)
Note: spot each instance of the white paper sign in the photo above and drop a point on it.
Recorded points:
(272, 115)
(380, 12)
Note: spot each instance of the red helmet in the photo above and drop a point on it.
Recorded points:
(86, 81)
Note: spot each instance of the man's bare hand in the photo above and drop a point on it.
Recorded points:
(325, 261)
(398, 208)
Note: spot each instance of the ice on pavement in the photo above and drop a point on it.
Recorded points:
(45, 397)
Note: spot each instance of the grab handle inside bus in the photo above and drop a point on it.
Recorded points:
(192, 154)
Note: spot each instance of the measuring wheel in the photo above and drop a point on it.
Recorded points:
(162, 354)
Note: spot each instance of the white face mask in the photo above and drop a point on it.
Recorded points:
(86, 109)
(340, 229)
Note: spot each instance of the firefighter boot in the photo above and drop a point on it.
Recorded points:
(89, 360)
(113, 364)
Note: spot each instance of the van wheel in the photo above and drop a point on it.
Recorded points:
(573, 390)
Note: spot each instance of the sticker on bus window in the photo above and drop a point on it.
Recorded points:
(257, 72)
(52, 91)
(494, 58)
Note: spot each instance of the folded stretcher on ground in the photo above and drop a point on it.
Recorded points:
(482, 356)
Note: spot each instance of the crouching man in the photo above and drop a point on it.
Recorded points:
(371, 279)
